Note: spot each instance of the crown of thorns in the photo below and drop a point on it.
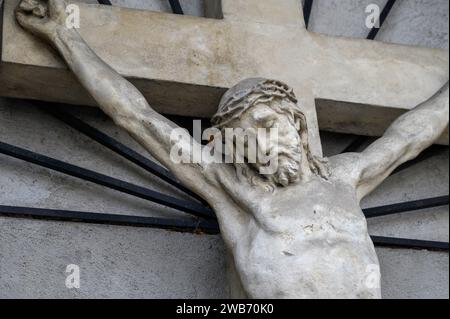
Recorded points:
(247, 94)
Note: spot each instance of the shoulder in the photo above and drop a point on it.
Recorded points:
(218, 174)
(346, 167)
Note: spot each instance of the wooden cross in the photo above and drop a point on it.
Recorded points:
(184, 64)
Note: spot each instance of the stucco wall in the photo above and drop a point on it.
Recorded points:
(147, 263)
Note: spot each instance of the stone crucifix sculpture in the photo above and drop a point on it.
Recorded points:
(298, 232)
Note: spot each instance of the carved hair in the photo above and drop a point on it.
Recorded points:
(250, 92)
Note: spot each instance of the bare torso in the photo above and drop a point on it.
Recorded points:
(299, 237)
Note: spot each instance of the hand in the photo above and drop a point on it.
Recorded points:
(43, 18)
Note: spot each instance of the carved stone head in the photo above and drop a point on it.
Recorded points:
(259, 103)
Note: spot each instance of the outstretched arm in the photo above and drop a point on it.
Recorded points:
(115, 95)
(404, 140)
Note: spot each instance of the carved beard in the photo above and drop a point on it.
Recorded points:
(288, 168)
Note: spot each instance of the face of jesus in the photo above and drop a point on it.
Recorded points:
(281, 143)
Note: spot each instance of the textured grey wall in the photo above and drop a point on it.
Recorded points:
(190, 7)
(146, 263)
(412, 22)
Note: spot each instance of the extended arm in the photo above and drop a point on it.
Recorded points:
(115, 95)
(404, 140)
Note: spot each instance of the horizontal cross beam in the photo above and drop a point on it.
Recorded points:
(184, 64)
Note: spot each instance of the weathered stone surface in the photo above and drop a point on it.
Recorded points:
(183, 64)
(344, 18)
(409, 23)
(34, 254)
(39, 272)
(413, 22)
(291, 221)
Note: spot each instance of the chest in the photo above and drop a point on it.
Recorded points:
(309, 208)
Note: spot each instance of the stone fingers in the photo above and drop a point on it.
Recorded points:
(33, 7)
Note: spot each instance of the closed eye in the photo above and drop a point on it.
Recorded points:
(270, 123)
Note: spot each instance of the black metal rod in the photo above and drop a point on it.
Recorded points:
(206, 227)
(165, 175)
(406, 207)
(409, 243)
(106, 2)
(117, 147)
(383, 16)
(200, 226)
(176, 6)
(97, 178)
(186, 206)
(307, 9)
